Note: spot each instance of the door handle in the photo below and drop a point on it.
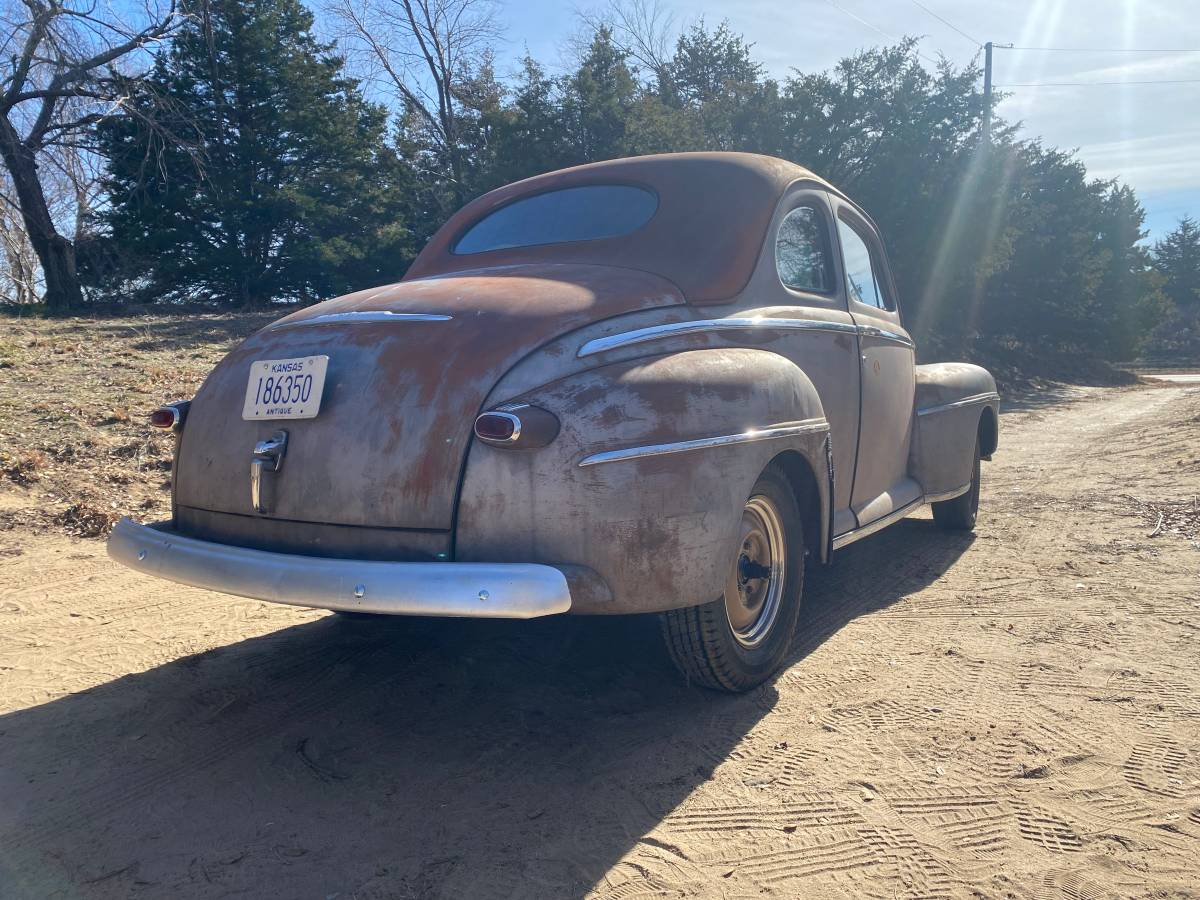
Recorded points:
(869, 331)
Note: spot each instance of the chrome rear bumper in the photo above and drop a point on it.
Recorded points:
(480, 590)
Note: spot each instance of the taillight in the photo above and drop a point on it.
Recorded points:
(498, 428)
(517, 425)
(170, 417)
(163, 417)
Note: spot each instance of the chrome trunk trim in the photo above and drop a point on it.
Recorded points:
(879, 524)
(965, 401)
(699, 326)
(770, 432)
(478, 590)
(362, 318)
(267, 457)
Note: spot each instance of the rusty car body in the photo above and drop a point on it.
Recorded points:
(657, 384)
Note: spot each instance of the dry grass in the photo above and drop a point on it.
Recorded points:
(75, 450)
(24, 467)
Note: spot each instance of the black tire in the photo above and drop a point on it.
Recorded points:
(704, 642)
(960, 513)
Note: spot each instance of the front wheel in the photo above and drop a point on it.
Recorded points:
(738, 641)
(960, 513)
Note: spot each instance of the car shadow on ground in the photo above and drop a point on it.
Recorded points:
(395, 758)
(873, 574)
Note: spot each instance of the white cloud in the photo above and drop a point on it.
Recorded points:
(1155, 164)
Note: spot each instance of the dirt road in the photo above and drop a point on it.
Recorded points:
(1014, 714)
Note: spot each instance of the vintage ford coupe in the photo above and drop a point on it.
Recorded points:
(659, 384)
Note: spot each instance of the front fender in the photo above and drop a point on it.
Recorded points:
(956, 404)
(638, 523)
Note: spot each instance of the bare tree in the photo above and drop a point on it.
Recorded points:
(423, 52)
(18, 262)
(642, 29)
(63, 76)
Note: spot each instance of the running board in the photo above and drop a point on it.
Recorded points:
(844, 540)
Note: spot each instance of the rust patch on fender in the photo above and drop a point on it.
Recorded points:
(401, 397)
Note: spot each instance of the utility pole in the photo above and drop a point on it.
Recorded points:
(987, 93)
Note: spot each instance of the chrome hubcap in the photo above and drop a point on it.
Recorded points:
(754, 588)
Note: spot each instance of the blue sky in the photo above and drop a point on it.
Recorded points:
(1146, 134)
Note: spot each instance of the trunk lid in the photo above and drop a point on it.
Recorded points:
(401, 391)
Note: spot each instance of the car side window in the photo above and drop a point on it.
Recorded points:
(862, 284)
(802, 255)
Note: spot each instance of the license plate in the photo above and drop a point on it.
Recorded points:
(285, 388)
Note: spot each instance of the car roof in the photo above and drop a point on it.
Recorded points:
(713, 213)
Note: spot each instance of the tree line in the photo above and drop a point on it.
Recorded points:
(224, 151)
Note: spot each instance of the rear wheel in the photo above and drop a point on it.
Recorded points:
(738, 641)
(960, 513)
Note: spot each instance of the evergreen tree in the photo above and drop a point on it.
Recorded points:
(1177, 257)
(1129, 301)
(598, 101)
(712, 65)
(283, 187)
(482, 97)
(531, 131)
(713, 76)
(1000, 246)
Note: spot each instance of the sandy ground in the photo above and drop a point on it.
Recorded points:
(1177, 378)
(1013, 714)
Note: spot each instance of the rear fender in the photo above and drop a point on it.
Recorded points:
(637, 523)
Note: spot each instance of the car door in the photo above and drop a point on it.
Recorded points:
(800, 281)
(888, 379)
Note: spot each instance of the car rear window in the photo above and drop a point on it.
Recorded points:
(572, 214)
(802, 251)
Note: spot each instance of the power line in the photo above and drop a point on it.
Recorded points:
(1098, 83)
(1096, 49)
(890, 37)
(948, 24)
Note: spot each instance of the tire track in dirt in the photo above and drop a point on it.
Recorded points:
(1010, 714)
(315, 683)
(1042, 710)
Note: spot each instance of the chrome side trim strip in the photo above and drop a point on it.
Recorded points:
(965, 401)
(697, 326)
(477, 590)
(885, 335)
(879, 524)
(357, 318)
(948, 495)
(784, 429)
